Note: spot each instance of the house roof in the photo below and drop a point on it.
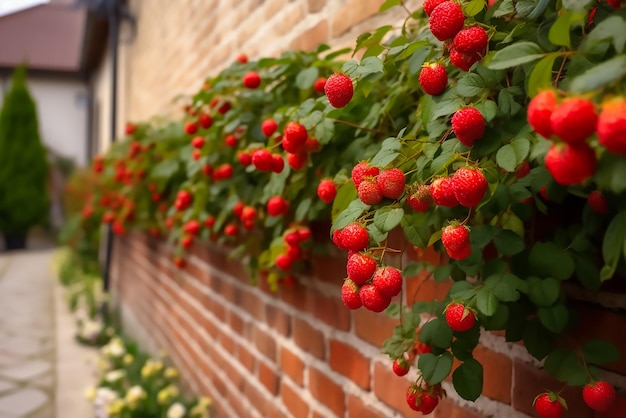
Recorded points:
(58, 37)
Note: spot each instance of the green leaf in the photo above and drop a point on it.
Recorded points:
(504, 287)
(389, 151)
(437, 333)
(614, 239)
(611, 173)
(600, 75)
(506, 159)
(345, 195)
(370, 65)
(600, 352)
(611, 28)
(486, 301)
(470, 85)
(388, 4)
(565, 366)
(462, 291)
(349, 214)
(306, 78)
(554, 318)
(508, 242)
(488, 108)
(543, 292)
(165, 169)
(541, 75)
(548, 260)
(576, 5)
(537, 339)
(303, 209)
(560, 30)
(514, 55)
(474, 7)
(507, 104)
(435, 368)
(468, 379)
(387, 218)
(375, 233)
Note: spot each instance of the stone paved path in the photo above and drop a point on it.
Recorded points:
(43, 372)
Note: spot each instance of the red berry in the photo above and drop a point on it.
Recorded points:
(197, 142)
(304, 233)
(252, 80)
(442, 192)
(429, 402)
(205, 120)
(277, 206)
(268, 127)
(400, 367)
(472, 40)
(207, 169)
(327, 190)
(339, 90)
(186, 241)
(433, 78)
(283, 262)
(446, 20)
(238, 209)
(230, 141)
(413, 397)
(312, 145)
(429, 5)
(192, 227)
(388, 281)
(248, 214)
(179, 262)
(463, 61)
(597, 202)
(468, 125)
(599, 395)
(242, 58)
(350, 295)
(391, 183)
(372, 299)
(354, 237)
(548, 405)
(420, 200)
(262, 160)
(231, 230)
(574, 120)
(278, 163)
(522, 170)
(540, 111)
(191, 128)
(245, 159)
(294, 253)
(319, 84)
(455, 239)
(459, 318)
(292, 238)
(360, 268)
(569, 164)
(612, 126)
(369, 192)
(223, 172)
(196, 154)
(297, 161)
(470, 186)
(130, 128)
(361, 170)
(294, 137)
(337, 239)
(118, 228)
(209, 222)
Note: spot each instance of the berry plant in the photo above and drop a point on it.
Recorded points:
(490, 133)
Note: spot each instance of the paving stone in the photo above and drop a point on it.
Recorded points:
(24, 347)
(27, 370)
(22, 402)
(6, 386)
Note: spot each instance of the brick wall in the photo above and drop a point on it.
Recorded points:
(179, 43)
(300, 352)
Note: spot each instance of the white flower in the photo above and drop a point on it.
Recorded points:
(116, 347)
(135, 394)
(176, 411)
(115, 375)
(90, 329)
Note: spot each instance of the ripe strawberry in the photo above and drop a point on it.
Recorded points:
(597, 202)
(223, 172)
(230, 141)
(549, 405)
(292, 238)
(294, 137)
(455, 239)
(463, 61)
(428, 402)
(277, 206)
(361, 170)
(268, 127)
(252, 80)
(205, 120)
(179, 262)
(183, 200)
(459, 318)
(442, 192)
(327, 190)
(422, 348)
(429, 5)
(599, 395)
(262, 160)
(354, 237)
(522, 170)
(312, 145)
(569, 164)
(612, 126)
(433, 78)
(209, 222)
(446, 20)
(278, 163)
(242, 58)
(192, 227)
(420, 200)
(245, 159)
(540, 111)
(197, 142)
(207, 169)
(470, 186)
(337, 239)
(350, 295)
(238, 209)
(283, 262)
(297, 161)
(231, 230)
(339, 90)
(196, 154)
(388, 281)
(372, 299)
(400, 367)
(108, 217)
(304, 233)
(186, 241)
(391, 183)
(472, 40)
(319, 84)
(369, 192)
(468, 125)
(294, 253)
(413, 397)
(191, 128)
(360, 268)
(574, 120)
(130, 128)
(118, 228)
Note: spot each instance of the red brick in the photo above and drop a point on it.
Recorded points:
(251, 303)
(356, 408)
(448, 409)
(292, 365)
(331, 310)
(289, 19)
(296, 295)
(309, 339)
(268, 378)
(294, 402)
(391, 389)
(349, 361)
(256, 399)
(278, 320)
(245, 357)
(316, 5)
(326, 390)
(353, 12)
(236, 323)
(265, 343)
(498, 372)
(530, 381)
(423, 288)
(329, 268)
(373, 327)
